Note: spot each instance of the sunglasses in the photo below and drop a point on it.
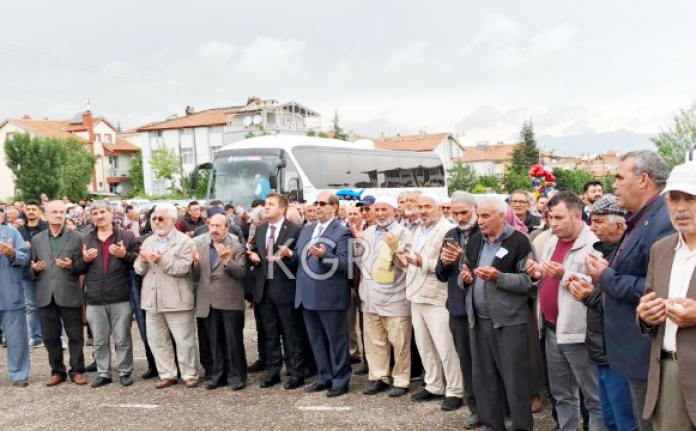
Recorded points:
(321, 203)
(159, 219)
(365, 209)
(445, 208)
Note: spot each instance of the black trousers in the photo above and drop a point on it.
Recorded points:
(204, 351)
(501, 373)
(53, 319)
(282, 319)
(459, 326)
(260, 334)
(226, 329)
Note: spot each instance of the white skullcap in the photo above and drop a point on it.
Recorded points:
(447, 201)
(433, 196)
(387, 199)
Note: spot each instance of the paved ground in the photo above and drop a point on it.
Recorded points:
(142, 407)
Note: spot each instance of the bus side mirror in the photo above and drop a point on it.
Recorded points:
(273, 181)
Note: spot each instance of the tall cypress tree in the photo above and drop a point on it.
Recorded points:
(524, 156)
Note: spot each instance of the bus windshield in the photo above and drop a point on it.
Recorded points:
(240, 176)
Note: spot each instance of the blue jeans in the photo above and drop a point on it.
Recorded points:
(14, 328)
(33, 321)
(615, 397)
(570, 370)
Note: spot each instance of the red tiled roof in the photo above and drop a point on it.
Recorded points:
(411, 143)
(491, 153)
(47, 128)
(209, 117)
(121, 145)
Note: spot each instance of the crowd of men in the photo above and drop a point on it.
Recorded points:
(586, 300)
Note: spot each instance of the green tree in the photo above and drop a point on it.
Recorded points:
(137, 173)
(77, 169)
(201, 191)
(524, 156)
(336, 129)
(572, 179)
(673, 143)
(514, 180)
(165, 165)
(461, 177)
(49, 165)
(489, 182)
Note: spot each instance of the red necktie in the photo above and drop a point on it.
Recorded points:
(269, 246)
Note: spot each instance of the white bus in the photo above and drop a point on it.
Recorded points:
(301, 167)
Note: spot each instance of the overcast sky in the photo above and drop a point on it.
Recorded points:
(388, 66)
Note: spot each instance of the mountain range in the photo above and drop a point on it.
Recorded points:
(577, 145)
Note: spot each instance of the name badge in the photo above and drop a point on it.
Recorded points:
(502, 252)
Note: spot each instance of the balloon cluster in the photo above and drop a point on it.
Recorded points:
(543, 179)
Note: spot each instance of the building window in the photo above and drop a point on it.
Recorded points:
(186, 132)
(107, 138)
(113, 162)
(187, 156)
(97, 137)
(159, 187)
(216, 129)
(8, 136)
(157, 134)
(214, 151)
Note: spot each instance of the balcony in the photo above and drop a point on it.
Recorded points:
(118, 176)
(119, 172)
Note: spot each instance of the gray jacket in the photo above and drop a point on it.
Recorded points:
(54, 282)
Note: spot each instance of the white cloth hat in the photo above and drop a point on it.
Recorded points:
(387, 199)
(682, 179)
(433, 196)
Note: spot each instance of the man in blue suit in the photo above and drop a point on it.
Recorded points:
(640, 178)
(13, 258)
(323, 290)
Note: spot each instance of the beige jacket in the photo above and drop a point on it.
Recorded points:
(571, 326)
(166, 285)
(422, 286)
(382, 283)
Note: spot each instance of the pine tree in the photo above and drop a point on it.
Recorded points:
(524, 156)
(336, 130)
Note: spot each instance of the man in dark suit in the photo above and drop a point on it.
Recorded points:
(640, 178)
(58, 293)
(323, 289)
(219, 268)
(274, 292)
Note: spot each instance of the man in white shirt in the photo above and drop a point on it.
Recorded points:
(667, 311)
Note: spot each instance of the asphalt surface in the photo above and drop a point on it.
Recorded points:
(142, 407)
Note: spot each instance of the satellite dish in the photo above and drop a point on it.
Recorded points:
(247, 121)
(119, 189)
(257, 119)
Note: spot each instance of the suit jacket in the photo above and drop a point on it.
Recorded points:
(658, 278)
(166, 285)
(422, 286)
(322, 284)
(456, 296)
(220, 286)
(628, 351)
(54, 282)
(274, 281)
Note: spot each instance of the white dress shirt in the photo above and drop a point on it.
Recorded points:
(682, 269)
(278, 226)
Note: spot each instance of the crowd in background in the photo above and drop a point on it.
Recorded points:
(582, 301)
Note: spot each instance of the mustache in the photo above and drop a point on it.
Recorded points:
(682, 216)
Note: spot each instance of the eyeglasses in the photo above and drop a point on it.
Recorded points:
(519, 202)
(159, 219)
(321, 203)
